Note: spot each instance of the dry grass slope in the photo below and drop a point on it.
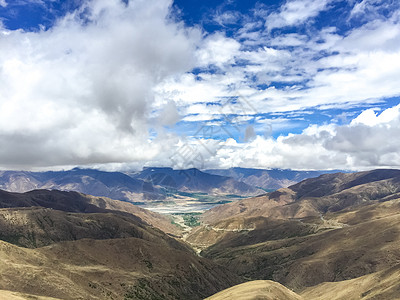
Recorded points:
(257, 290)
(380, 285)
(128, 268)
(73, 249)
(338, 228)
(9, 295)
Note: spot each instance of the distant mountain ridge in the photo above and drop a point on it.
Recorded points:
(154, 183)
(137, 186)
(268, 179)
(195, 180)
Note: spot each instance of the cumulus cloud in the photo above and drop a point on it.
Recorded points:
(169, 115)
(367, 142)
(3, 3)
(81, 92)
(295, 12)
(321, 69)
(218, 49)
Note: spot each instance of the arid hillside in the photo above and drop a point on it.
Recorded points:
(333, 228)
(314, 196)
(81, 203)
(332, 237)
(258, 289)
(100, 254)
(380, 285)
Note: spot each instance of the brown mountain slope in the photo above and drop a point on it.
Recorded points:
(155, 219)
(338, 246)
(37, 227)
(80, 203)
(314, 196)
(246, 231)
(380, 285)
(8, 295)
(99, 254)
(128, 268)
(256, 290)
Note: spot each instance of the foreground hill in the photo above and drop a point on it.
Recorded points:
(380, 285)
(259, 289)
(332, 228)
(83, 251)
(9, 295)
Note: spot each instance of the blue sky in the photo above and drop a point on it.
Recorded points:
(297, 84)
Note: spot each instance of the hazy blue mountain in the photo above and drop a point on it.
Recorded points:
(194, 180)
(148, 184)
(114, 185)
(267, 179)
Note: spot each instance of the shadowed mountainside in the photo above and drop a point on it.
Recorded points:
(128, 268)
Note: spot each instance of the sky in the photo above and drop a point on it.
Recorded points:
(119, 85)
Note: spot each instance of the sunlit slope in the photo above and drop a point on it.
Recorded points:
(380, 285)
(256, 290)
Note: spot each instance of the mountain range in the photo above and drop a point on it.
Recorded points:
(267, 179)
(153, 183)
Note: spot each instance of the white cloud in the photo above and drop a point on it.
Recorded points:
(357, 146)
(323, 70)
(81, 92)
(169, 115)
(218, 49)
(227, 17)
(295, 12)
(3, 3)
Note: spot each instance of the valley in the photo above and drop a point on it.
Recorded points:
(199, 150)
(316, 239)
